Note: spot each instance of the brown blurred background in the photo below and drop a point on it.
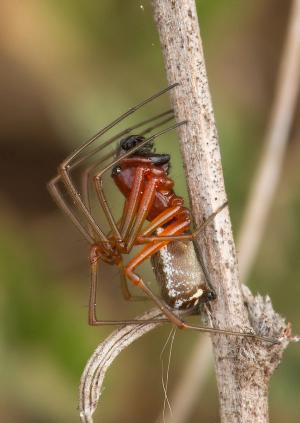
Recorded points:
(67, 68)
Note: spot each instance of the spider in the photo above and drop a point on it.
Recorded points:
(153, 215)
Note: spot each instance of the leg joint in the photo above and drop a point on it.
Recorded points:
(94, 254)
(134, 278)
(64, 166)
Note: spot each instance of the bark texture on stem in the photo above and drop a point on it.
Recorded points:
(242, 367)
(263, 192)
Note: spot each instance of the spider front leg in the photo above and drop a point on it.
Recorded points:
(138, 203)
(130, 207)
(76, 197)
(129, 214)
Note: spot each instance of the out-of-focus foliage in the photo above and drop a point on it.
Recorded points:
(67, 68)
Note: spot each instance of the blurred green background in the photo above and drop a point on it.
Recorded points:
(67, 68)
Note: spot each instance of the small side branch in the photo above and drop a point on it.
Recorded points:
(102, 358)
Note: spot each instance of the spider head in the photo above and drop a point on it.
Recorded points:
(126, 144)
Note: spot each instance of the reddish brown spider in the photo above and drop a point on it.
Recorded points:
(142, 177)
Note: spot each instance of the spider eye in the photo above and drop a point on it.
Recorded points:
(116, 170)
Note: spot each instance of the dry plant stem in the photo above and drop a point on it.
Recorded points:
(95, 370)
(277, 135)
(242, 399)
(259, 204)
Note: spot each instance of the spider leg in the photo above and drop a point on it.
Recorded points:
(88, 234)
(93, 321)
(129, 213)
(147, 200)
(91, 168)
(91, 221)
(85, 184)
(143, 255)
(160, 220)
(58, 198)
(140, 145)
(52, 186)
(133, 201)
(64, 168)
(87, 173)
(66, 163)
(98, 178)
(163, 218)
(144, 238)
(85, 179)
(125, 288)
(81, 205)
(131, 205)
(125, 132)
(92, 314)
(107, 211)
